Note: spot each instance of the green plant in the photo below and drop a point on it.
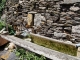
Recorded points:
(26, 55)
(2, 4)
(2, 25)
(11, 30)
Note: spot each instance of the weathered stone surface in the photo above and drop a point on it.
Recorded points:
(71, 1)
(29, 19)
(76, 29)
(3, 17)
(78, 52)
(47, 16)
(39, 49)
(37, 19)
(74, 8)
(60, 35)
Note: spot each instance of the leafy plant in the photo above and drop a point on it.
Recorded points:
(2, 24)
(25, 55)
(11, 30)
(2, 4)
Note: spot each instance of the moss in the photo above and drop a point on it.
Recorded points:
(61, 47)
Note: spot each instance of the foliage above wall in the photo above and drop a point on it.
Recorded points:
(2, 4)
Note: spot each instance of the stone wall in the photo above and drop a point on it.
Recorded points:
(49, 18)
(71, 1)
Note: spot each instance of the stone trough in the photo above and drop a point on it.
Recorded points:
(56, 20)
(61, 46)
(49, 43)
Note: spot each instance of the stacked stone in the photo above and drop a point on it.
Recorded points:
(47, 17)
(63, 26)
(18, 11)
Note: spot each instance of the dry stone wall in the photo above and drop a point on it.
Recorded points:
(51, 18)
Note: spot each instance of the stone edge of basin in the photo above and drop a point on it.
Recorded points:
(55, 40)
(52, 54)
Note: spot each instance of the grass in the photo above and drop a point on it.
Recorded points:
(23, 54)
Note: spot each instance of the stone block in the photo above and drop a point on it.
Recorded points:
(78, 52)
(29, 19)
(76, 29)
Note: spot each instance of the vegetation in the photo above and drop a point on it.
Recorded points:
(2, 25)
(26, 55)
(11, 30)
(2, 4)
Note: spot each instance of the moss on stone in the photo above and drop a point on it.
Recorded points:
(61, 47)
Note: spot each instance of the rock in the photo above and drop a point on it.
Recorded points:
(32, 12)
(63, 13)
(77, 40)
(30, 30)
(68, 28)
(17, 33)
(69, 42)
(25, 33)
(49, 21)
(28, 39)
(62, 19)
(5, 56)
(50, 31)
(29, 19)
(70, 13)
(73, 40)
(8, 55)
(38, 18)
(60, 35)
(15, 13)
(12, 56)
(3, 17)
(74, 23)
(42, 7)
(11, 46)
(73, 8)
(78, 51)
(20, 1)
(76, 29)
(67, 17)
(77, 18)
